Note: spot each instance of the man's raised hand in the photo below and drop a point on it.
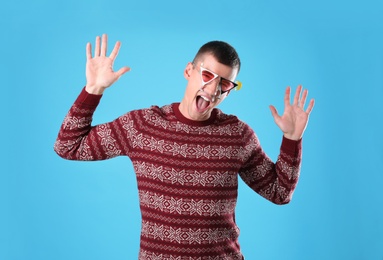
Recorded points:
(99, 68)
(294, 120)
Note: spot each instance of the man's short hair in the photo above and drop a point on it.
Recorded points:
(222, 51)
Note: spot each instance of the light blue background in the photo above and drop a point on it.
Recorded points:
(56, 209)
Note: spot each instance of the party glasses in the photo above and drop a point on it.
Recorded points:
(224, 85)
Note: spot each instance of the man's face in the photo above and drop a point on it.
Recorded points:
(200, 98)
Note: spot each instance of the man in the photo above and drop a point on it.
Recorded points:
(187, 156)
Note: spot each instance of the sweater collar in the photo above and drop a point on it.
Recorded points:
(183, 119)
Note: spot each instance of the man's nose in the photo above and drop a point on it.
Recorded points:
(212, 87)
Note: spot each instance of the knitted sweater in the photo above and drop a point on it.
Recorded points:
(187, 173)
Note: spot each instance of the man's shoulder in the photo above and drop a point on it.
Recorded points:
(155, 113)
(230, 121)
(224, 118)
(154, 109)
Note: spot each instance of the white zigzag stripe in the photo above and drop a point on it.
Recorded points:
(171, 175)
(183, 206)
(187, 235)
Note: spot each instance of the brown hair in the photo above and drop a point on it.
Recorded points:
(222, 51)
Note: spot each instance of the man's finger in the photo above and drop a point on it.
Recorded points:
(274, 111)
(115, 50)
(303, 98)
(104, 45)
(122, 71)
(297, 94)
(97, 47)
(287, 96)
(88, 51)
(310, 107)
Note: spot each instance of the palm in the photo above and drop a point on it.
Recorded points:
(99, 72)
(294, 119)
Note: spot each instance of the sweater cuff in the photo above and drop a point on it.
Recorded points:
(292, 147)
(88, 100)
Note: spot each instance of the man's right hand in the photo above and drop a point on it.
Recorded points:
(99, 69)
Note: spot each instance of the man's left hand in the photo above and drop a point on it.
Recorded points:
(294, 120)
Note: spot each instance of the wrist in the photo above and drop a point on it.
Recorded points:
(94, 90)
(292, 137)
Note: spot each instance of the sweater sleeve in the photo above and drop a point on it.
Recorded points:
(274, 181)
(79, 140)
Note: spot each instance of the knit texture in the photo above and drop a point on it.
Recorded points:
(187, 173)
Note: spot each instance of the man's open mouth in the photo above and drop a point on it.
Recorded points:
(202, 103)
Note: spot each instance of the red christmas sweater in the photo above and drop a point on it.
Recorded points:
(187, 173)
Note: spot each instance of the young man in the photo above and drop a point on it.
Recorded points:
(187, 156)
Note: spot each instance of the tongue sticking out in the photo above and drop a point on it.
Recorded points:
(202, 104)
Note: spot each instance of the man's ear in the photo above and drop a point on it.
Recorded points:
(188, 71)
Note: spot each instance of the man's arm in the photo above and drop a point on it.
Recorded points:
(274, 181)
(77, 139)
(277, 181)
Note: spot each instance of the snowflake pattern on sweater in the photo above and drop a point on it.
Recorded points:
(187, 173)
